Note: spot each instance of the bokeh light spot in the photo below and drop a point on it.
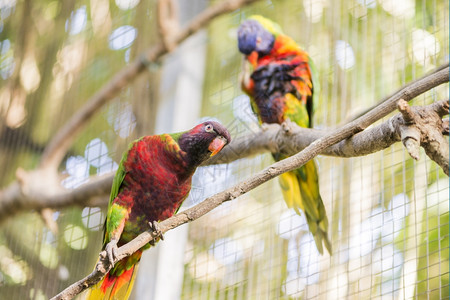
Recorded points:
(75, 237)
(77, 21)
(122, 37)
(127, 4)
(345, 56)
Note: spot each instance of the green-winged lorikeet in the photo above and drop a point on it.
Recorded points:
(153, 179)
(281, 88)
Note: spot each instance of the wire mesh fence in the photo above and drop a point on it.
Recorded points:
(388, 214)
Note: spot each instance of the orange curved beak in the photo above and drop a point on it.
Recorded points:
(253, 58)
(217, 144)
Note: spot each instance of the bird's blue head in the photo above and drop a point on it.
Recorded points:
(252, 36)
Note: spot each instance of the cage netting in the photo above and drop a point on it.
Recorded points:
(388, 214)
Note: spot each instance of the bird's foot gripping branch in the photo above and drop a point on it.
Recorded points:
(156, 232)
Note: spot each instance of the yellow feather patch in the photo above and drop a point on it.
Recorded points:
(291, 191)
(296, 111)
(269, 25)
(171, 145)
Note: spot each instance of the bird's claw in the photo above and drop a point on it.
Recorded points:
(111, 251)
(156, 232)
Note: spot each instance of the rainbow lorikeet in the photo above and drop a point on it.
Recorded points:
(153, 179)
(281, 89)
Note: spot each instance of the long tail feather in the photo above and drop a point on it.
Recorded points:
(111, 287)
(300, 190)
(118, 283)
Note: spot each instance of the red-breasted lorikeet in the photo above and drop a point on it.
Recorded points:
(281, 88)
(153, 179)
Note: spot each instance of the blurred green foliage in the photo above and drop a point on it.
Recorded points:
(47, 73)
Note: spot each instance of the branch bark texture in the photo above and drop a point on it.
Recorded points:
(24, 195)
(259, 178)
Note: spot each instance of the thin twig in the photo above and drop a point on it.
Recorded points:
(259, 178)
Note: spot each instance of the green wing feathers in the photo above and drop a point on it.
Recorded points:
(120, 175)
(316, 89)
(116, 213)
(113, 211)
(300, 190)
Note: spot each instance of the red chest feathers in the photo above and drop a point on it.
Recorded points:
(155, 180)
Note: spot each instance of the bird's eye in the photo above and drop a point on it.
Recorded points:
(209, 128)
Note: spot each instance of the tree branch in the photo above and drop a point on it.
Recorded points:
(366, 110)
(425, 128)
(272, 138)
(168, 22)
(255, 180)
(63, 139)
(292, 139)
